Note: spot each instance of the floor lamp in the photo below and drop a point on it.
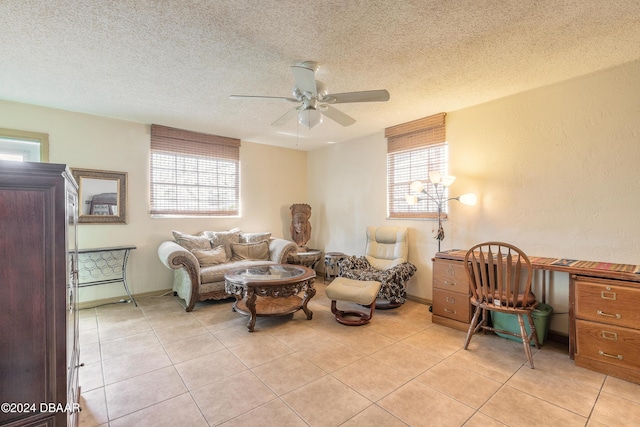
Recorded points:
(440, 183)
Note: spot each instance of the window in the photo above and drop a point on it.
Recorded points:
(413, 150)
(194, 174)
(24, 146)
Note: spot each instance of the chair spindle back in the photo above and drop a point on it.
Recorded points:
(495, 274)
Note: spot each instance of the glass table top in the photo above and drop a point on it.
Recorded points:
(266, 272)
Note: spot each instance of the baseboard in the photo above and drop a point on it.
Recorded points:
(558, 337)
(120, 299)
(419, 300)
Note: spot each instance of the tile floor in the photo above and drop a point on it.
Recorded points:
(156, 365)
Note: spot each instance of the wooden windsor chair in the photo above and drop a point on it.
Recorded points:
(500, 278)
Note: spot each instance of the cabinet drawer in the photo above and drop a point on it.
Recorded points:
(607, 303)
(450, 276)
(608, 344)
(451, 305)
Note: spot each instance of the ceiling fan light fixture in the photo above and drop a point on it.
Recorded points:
(313, 99)
(309, 117)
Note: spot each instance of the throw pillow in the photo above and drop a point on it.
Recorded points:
(224, 238)
(259, 251)
(254, 237)
(210, 257)
(191, 243)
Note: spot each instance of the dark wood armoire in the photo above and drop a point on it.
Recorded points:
(39, 353)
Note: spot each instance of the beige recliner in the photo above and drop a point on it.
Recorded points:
(385, 261)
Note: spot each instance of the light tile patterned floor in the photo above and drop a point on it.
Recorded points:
(156, 365)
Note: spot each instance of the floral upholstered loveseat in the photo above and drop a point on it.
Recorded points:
(200, 262)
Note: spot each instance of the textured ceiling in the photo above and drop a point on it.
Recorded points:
(175, 62)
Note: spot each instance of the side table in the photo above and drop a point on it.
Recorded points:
(331, 259)
(309, 258)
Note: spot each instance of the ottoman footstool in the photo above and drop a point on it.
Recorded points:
(361, 292)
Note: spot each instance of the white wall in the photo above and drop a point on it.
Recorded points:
(556, 170)
(271, 178)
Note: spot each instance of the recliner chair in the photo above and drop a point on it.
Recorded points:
(385, 261)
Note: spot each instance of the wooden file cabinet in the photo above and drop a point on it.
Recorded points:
(607, 326)
(451, 306)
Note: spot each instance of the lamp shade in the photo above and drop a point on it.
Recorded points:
(309, 117)
(416, 187)
(411, 200)
(435, 177)
(447, 180)
(468, 199)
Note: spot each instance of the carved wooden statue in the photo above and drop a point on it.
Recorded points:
(300, 226)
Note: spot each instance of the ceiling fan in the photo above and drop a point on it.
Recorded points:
(315, 101)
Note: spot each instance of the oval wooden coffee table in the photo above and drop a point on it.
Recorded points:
(270, 290)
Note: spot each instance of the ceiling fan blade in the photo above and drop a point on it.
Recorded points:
(283, 98)
(364, 96)
(337, 116)
(305, 79)
(285, 117)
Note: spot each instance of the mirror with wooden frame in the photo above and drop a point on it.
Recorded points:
(102, 196)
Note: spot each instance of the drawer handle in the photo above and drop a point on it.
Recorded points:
(602, 353)
(609, 335)
(451, 271)
(446, 282)
(601, 313)
(608, 295)
(450, 311)
(450, 300)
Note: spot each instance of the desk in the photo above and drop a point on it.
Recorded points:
(101, 266)
(607, 270)
(604, 323)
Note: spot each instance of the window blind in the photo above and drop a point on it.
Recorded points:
(414, 149)
(194, 173)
